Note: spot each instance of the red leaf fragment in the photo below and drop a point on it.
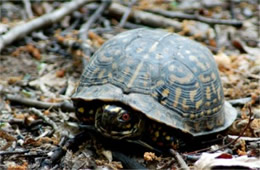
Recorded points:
(225, 156)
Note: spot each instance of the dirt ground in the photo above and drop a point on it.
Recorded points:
(40, 70)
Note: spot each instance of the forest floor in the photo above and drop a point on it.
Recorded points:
(41, 63)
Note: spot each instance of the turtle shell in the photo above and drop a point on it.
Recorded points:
(169, 78)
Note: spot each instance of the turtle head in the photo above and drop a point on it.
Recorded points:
(119, 122)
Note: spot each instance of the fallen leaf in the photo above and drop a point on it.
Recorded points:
(209, 161)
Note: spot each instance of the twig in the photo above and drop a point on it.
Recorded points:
(28, 8)
(85, 27)
(20, 31)
(129, 25)
(231, 8)
(127, 13)
(145, 18)
(247, 139)
(211, 21)
(243, 101)
(83, 32)
(180, 160)
(45, 118)
(239, 102)
(13, 152)
(64, 106)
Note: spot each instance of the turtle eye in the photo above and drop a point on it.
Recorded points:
(125, 116)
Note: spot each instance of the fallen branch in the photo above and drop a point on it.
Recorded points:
(196, 17)
(179, 159)
(13, 152)
(243, 101)
(127, 13)
(85, 27)
(145, 18)
(247, 139)
(28, 9)
(64, 106)
(45, 118)
(83, 32)
(20, 31)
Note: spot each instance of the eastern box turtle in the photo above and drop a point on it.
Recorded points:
(154, 86)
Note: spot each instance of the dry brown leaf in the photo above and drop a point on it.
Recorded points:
(223, 61)
(60, 73)
(42, 140)
(98, 40)
(24, 166)
(6, 136)
(13, 80)
(150, 156)
(33, 51)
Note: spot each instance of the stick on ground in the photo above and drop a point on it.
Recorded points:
(196, 17)
(20, 31)
(45, 118)
(85, 27)
(64, 106)
(180, 160)
(127, 13)
(145, 18)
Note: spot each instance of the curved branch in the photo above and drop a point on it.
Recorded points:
(20, 31)
(211, 21)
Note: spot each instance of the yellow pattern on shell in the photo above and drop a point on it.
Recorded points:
(218, 94)
(207, 104)
(96, 70)
(110, 75)
(213, 88)
(209, 112)
(165, 92)
(158, 56)
(192, 95)
(213, 76)
(127, 70)
(106, 59)
(184, 105)
(215, 110)
(171, 67)
(101, 74)
(198, 63)
(204, 79)
(192, 116)
(181, 80)
(178, 92)
(131, 81)
(198, 104)
(159, 83)
(114, 66)
(208, 93)
(139, 50)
